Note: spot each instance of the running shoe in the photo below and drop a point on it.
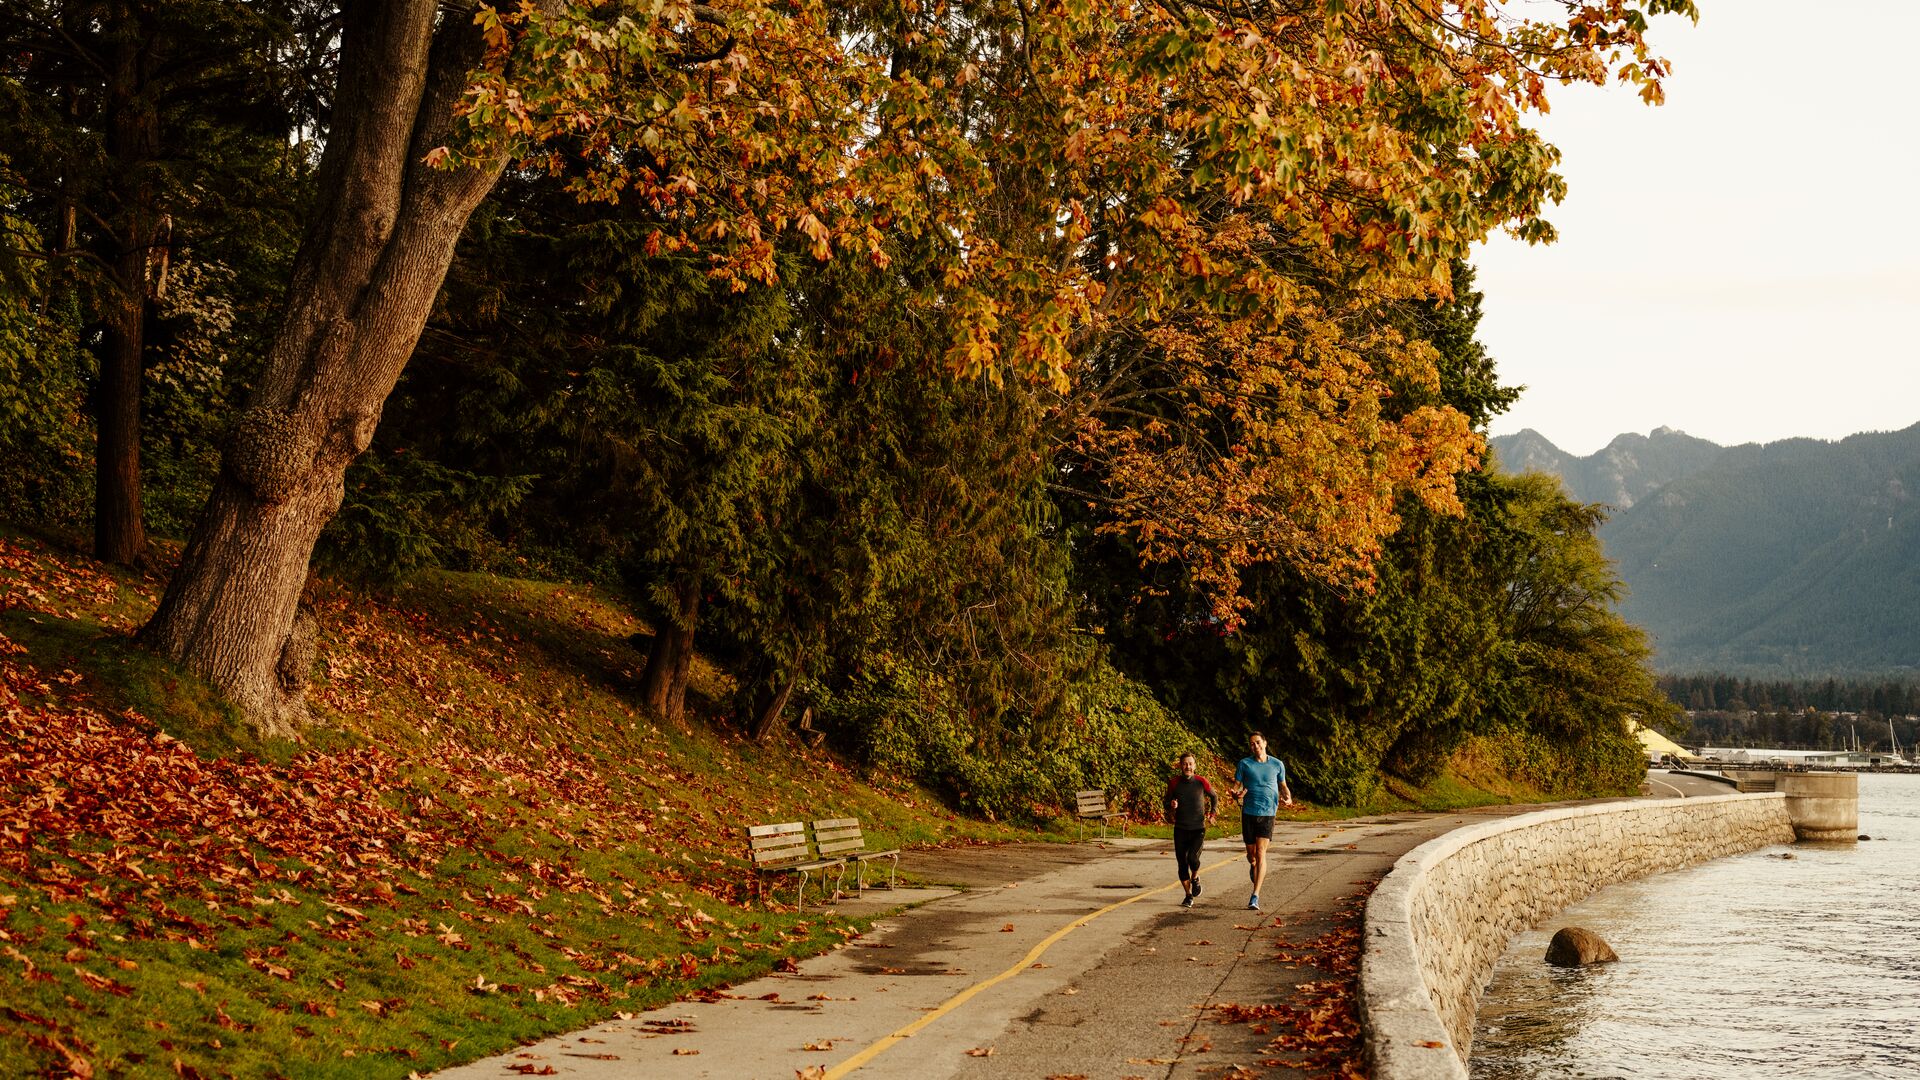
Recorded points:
(1196, 886)
(1253, 902)
(1186, 901)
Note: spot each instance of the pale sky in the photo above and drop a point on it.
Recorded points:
(1743, 262)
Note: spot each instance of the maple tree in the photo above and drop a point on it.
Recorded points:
(1072, 176)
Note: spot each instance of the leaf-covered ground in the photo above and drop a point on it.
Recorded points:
(486, 843)
(1316, 1030)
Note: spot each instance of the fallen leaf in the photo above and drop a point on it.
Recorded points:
(980, 1051)
(1007, 929)
(824, 1044)
(684, 1051)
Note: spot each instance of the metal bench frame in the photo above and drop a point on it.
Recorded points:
(783, 847)
(1092, 805)
(841, 837)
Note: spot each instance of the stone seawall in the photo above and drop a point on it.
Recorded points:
(1443, 916)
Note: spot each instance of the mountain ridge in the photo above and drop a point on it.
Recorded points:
(1798, 558)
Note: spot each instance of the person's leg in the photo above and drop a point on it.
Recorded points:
(1186, 852)
(1259, 864)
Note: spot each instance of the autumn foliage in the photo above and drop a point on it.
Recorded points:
(339, 901)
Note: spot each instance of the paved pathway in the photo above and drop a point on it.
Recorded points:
(1061, 960)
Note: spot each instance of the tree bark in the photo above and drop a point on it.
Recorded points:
(133, 142)
(663, 685)
(769, 702)
(382, 235)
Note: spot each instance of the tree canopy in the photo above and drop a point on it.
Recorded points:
(989, 342)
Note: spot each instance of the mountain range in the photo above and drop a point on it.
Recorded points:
(1792, 559)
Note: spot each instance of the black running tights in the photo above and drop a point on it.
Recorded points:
(1186, 851)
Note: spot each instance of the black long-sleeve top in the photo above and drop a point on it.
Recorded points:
(1195, 798)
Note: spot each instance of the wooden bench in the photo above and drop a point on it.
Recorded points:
(783, 847)
(1091, 805)
(841, 837)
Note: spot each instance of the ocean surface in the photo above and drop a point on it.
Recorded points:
(1752, 966)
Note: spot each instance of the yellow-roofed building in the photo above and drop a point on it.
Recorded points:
(1657, 745)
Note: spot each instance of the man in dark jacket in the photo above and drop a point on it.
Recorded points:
(1189, 805)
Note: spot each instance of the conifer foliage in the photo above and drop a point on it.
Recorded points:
(948, 337)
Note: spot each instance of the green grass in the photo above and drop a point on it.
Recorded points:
(481, 842)
(552, 858)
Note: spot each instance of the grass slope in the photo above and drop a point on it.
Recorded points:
(484, 843)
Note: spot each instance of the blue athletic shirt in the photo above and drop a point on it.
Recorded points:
(1262, 779)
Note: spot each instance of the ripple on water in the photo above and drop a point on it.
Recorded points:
(1744, 968)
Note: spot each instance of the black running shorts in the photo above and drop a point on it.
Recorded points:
(1256, 827)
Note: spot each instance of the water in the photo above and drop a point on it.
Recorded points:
(1742, 968)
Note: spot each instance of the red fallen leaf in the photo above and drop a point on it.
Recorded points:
(980, 1051)
(528, 1068)
(101, 982)
(1430, 1044)
(823, 1044)
(1007, 929)
(786, 964)
(689, 968)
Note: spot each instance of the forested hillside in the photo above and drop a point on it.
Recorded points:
(1793, 559)
(498, 421)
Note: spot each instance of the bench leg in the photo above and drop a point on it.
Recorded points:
(801, 897)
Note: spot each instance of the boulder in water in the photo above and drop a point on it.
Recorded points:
(1573, 946)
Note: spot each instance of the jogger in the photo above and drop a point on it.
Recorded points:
(1189, 805)
(1260, 782)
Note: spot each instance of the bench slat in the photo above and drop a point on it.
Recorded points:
(836, 823)
(781, 829)
(838, 846)
(762, 843)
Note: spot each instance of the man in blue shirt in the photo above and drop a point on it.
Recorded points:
(1260, 783)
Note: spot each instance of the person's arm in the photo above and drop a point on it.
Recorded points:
(1239, 788)
(1213, 803)
(1167, 802)
(1286, 793)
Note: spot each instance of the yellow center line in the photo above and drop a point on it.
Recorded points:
(860, 1059)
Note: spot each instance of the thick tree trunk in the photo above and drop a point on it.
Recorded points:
(133, 142)
(382, 235)
(663, 685)
(119, 528)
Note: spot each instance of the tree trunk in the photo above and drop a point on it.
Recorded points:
(133, 142)
(769, 702)
(663, 685)
(382, 235)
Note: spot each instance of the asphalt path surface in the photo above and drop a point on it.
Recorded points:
(1048, 960)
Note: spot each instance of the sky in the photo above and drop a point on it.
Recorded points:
(1741, 263)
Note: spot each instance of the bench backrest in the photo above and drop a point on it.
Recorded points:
(833, 836)
(1091, 802)
(775, 845)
